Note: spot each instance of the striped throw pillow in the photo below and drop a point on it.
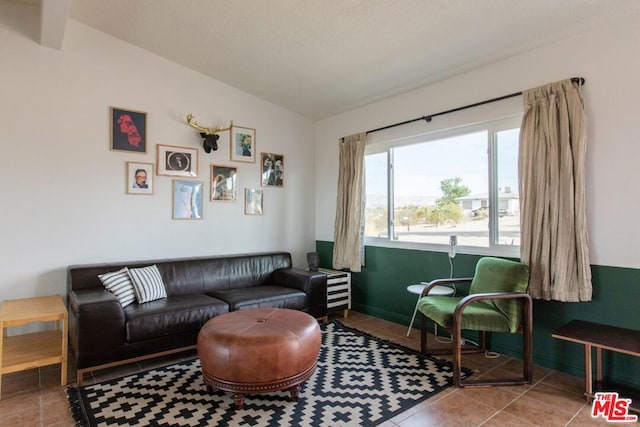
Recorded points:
(147, 284)
(119, 284)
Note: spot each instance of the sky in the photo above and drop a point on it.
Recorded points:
(419, 168)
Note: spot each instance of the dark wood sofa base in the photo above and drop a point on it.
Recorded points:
(81, 372)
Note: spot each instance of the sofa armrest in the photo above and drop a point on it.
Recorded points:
(312, 283)
(96, 326)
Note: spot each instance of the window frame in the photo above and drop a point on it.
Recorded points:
(492, 126)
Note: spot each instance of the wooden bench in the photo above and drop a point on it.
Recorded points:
(601, 337)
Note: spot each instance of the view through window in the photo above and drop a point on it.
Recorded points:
(462, 183)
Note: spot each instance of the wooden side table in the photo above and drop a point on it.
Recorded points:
(33, 350)
(601, 337)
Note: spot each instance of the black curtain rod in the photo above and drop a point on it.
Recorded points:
(578, 80)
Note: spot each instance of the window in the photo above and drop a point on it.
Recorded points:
(464, 182)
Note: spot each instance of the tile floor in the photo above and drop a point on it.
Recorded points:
(35, 398)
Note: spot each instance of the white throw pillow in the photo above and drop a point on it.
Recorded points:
(147, 284)
(119, 284)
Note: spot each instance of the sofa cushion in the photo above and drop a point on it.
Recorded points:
(262, 296)
(172, 315)
(147, 284)
(119, 284)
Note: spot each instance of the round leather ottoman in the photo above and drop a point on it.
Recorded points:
(259, 351)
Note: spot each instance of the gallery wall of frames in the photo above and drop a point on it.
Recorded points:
(189, 191)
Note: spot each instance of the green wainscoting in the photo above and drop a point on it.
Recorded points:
(380, 291)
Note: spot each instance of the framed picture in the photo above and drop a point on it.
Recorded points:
(128, 130)
(224, 183)
(187, 199)
(139, 178)
(272, 169)
(177, 161)
(243, 144)
(252, 201)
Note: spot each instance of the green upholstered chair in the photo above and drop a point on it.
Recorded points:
(497, 302)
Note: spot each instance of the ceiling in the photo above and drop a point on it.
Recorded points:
(323, 57)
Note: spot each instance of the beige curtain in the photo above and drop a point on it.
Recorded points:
(554, 239)
(348, 236)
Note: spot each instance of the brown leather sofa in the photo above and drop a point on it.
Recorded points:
(103, 334)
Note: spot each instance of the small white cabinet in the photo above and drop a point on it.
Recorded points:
(338, 290)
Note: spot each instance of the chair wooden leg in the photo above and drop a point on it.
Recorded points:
(483, 341)
(423, 334)
(527, 338)
(456, 343)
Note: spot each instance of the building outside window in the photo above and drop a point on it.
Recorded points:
(423, 189)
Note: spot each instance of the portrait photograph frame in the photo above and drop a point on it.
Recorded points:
(186, 200)
(128, 130)
(135, 183)
(240, 151)
(177, 161)
(224, 183)
(253, 201)
(272, 170)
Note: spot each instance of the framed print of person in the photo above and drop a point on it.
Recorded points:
(187, 199)
(252, 201)
(139, 178)
(243, 144)
(272, 169)
(224, 183)
(177, 161)
(128, 130)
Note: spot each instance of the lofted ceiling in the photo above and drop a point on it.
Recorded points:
(324, 57)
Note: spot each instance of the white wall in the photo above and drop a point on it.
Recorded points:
(607, 57)
(64, 198)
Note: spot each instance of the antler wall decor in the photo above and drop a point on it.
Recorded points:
(210, 135)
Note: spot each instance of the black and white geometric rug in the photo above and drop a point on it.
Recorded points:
(360, 380)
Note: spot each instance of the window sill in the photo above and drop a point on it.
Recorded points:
(499, 251)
